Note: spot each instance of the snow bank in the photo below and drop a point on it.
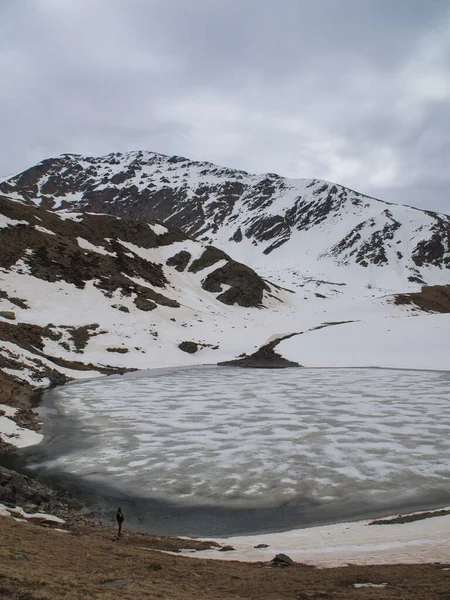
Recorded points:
(18, 513)
(419, 342)
(424, 541)
(11, 433)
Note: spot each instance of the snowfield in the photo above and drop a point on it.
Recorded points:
(416, 342)
(357, 543)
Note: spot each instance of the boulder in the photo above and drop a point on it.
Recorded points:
(282, 560)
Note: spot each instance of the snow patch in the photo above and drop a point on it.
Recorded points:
(11, 433)
(425, 541)
(86, 245)
(44, 230)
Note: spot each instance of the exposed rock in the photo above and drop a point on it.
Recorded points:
(17, 301)
(32, 338)
(209, 257)
(16, 393)
(189, 347)
(27, 419)
(434, 251)
(7, 314)
(96, 249)
(145, 304)
(118, 350)
(227, 548)
(264, 358)
(246, 287)
(122, 308)
(180, 260)
(419, 516)
(281, 560)
(19, 490)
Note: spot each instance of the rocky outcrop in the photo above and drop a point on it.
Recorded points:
(108, 252)
(30, 494)
(264, 358)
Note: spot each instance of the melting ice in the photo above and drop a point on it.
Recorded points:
(252, 438)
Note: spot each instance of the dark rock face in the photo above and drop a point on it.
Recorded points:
(180, 260)
(434, 251)
(208, 258)
(370, 249)
(19, 490)
(118, 350)
(246, 288)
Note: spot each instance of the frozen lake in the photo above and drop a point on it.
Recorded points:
(257, 439)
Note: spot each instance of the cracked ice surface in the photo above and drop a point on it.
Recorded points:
(254, 438)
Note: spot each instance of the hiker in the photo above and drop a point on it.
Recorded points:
(120, 519)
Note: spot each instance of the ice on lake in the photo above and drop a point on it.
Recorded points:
(257, 438)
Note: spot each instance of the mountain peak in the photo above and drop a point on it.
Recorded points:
(259, 219)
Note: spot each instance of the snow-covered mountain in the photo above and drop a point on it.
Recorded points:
(290, 229)
(84, 293)
(95, 293)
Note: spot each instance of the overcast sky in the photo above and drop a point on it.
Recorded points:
(353, 91)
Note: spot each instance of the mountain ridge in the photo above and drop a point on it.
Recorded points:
(86, 291)
(259, 219)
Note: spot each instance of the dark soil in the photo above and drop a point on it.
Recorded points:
(433, 298)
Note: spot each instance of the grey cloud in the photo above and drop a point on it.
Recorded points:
(352, 90)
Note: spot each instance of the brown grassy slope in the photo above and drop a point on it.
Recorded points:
(433, 298)
(14, 392)
(77, 566)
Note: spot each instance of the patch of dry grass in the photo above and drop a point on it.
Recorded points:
(78, 564)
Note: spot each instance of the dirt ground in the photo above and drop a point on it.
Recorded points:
(434, 298)
(85, 563)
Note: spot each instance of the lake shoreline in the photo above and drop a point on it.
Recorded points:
(156, 515)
